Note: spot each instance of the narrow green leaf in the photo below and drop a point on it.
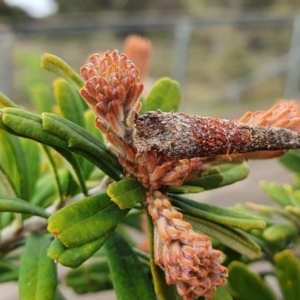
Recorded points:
(83, 143)
(21, 180)
(7, 166)
(293, 210)
(126, 193)
(21, 206)
(75, 256)
(37, 272)
(225, 216)
(28, 125)
(54, 171)
(69, 101)
(7, 276)
(59, 295)
(248, 284)
(127, 273)
(73, 161)
(46, 189)
(185, 189)
(32, 158)
(165, 95)
(281, 194)
(232, 238)
(6, 102)
(90, 278)
(279, 232)
(222, 175)
(61, 68)
(7, 187)
(6, 218)
(163, 291)
(291, 160)
(287, 268)
(86, 220)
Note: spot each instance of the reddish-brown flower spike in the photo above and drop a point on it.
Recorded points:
(178, 136)
(112, 88)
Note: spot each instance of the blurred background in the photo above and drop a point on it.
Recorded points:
(229, 57)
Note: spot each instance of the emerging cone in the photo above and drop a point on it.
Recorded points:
(112, 88)
(187, 258)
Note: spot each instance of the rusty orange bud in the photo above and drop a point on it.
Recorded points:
(103, 127)
(90, 99)
(116, 126)
(158, 172)
(116, 143)
(100, 110)
(116, 107)
(178, 136)
(130, 154)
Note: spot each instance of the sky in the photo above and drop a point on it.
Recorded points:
(35, 8)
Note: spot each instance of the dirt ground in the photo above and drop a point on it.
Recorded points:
(246, 190)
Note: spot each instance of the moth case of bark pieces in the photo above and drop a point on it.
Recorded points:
(179, 136)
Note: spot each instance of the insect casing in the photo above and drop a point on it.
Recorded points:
(178, 136)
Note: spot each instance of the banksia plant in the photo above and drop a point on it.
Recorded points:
(97, 171)
(139, 50)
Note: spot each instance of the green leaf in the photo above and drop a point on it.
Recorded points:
(59, 295)
(163, 291)
(222, 293)
(287, 268)
(232, 238)
(11, 275)
(21, 174)
(291, 160)
(69, 101)
(61, 68)
(32, 158)
(247, 284)
(86, 220)
(127, 273)
(71, 137)
(225, 216)
(26, 124)
(83, 143)
(279, 232)
(185, 189)
(6, 186)
(281, 194)
(21, 206)
(165, 95)
(73, 161)
(293, 210)
(90, 278)
(46, 190)
(75, 256)
(37, 272)
(222, 175)
(126, 193)
(54, 171)
(6, 102)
